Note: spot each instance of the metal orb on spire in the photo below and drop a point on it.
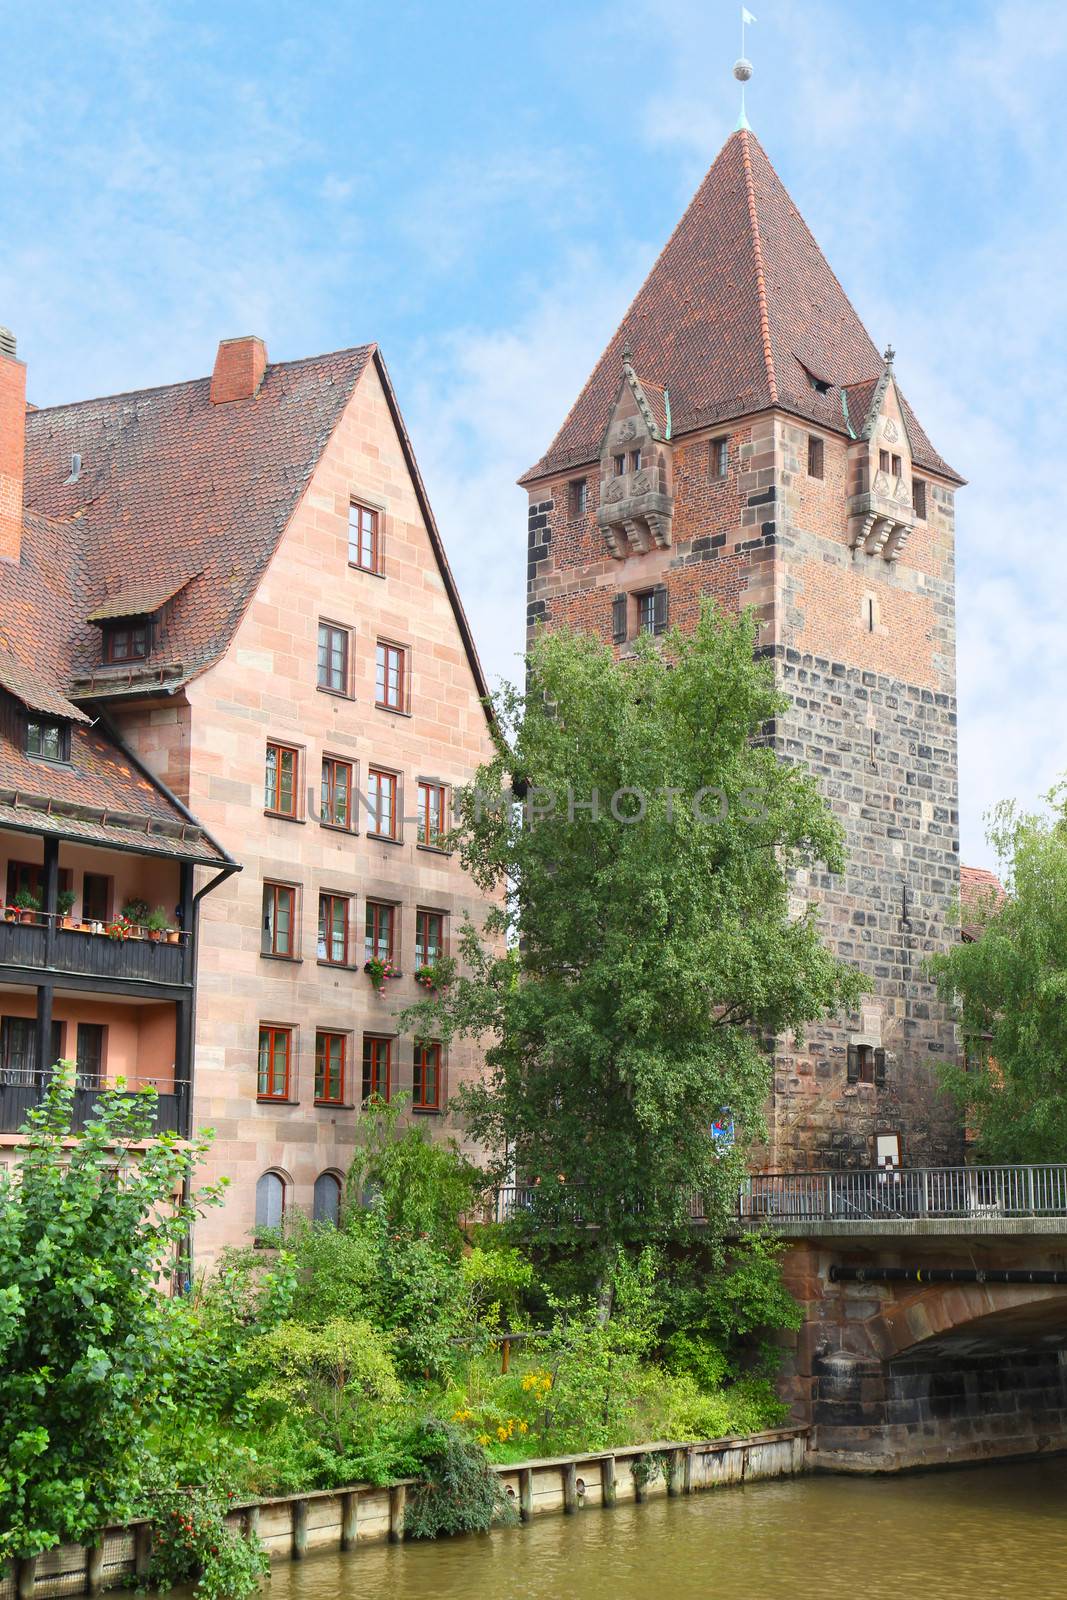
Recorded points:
(743, 69)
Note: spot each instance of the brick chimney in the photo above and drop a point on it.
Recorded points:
(239, 368)
(12, 446)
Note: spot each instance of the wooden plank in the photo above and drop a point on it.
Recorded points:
(94, 1568)
(349, 1520)
(142, 1549)
(25, 1577)
(300, 1529)
(607, 1482)
(525, 1493)
(570, 1487)
(397, 1505)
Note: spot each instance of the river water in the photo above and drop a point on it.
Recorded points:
(979, 1533)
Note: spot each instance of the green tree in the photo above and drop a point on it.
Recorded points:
(1009, 988)
(646, 870)
(88, 1225)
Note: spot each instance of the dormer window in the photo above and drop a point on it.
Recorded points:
(48, 741)
(127, 641)
(819, 385)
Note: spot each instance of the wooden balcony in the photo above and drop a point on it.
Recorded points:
(22, 1088)
(43, 945)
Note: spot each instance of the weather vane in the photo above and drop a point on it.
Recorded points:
(743, 66)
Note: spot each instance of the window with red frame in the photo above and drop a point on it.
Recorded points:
(280, 787)
(279, 920)
(381, 803)
(433, 813)
(391, 675)
(363, 542)
(330, 1052)
(429, 937)
(333, 929)
(381, 925)
(426, 1087)
(333, 658)
(336, 792)
(377, 1068)
(275, 1056)
(129, 642)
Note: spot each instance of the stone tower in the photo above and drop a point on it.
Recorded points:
(742, 437)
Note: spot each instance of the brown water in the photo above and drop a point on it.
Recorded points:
(982, 1534)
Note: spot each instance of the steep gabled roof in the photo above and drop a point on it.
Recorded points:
(739, 313)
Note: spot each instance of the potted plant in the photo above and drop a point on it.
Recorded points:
(28, 905)
(65, 907)
(119, 929)
(174, 935)
(433, 977)
(135, 914)
(379, 972)
(10, 914)
(156, 924)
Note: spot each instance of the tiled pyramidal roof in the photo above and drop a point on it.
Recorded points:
(740, 312)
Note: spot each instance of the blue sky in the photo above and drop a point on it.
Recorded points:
(481, 188)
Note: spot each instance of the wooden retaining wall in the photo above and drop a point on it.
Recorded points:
(294, 1526)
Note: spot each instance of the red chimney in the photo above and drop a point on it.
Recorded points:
(239, 368)
(12, 446)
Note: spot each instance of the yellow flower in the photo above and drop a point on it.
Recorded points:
(524, 1427)
(502, 1434)
(483, 1438)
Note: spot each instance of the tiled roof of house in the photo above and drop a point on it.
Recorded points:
(981, 891)
(739, 313)
(171, 486)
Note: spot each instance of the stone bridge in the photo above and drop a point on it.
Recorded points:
(935, 1311)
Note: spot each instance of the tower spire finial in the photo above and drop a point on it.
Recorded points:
(743, 68)
(889, 355)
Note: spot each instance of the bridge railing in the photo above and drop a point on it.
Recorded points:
(852, 1196)
(905, 1192)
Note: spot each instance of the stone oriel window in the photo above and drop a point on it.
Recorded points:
(334, 917)
(883, 461)
(635, 461)
(337, 792)
(279, 920)
(815, 456)
(382, 819)
(281, 792)
(364, 538)
(898, 467)
(333, 658)
(620, 465)
(391, 675)
(331, 1050)
(377, 1067)
(275, 1063)
(426, 1082)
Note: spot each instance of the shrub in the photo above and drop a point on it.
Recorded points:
(191, 1543)
(461, 1493)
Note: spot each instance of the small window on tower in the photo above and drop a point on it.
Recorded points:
(918, 498)
(717, 458)
(815, 457)
(578, 497)
(883, 460)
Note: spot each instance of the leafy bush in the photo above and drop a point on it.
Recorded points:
(461, 1493)
(86, 1230)
(191, 1543)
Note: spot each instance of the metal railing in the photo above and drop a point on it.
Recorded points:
(22, 1088)
(911, 1193)
(886, 1195)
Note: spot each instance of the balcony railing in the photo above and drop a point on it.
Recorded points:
(22, 1088)
(911, 1193)
(43, 943)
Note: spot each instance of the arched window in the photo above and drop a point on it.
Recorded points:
(327, 1202)
(270, 1201)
